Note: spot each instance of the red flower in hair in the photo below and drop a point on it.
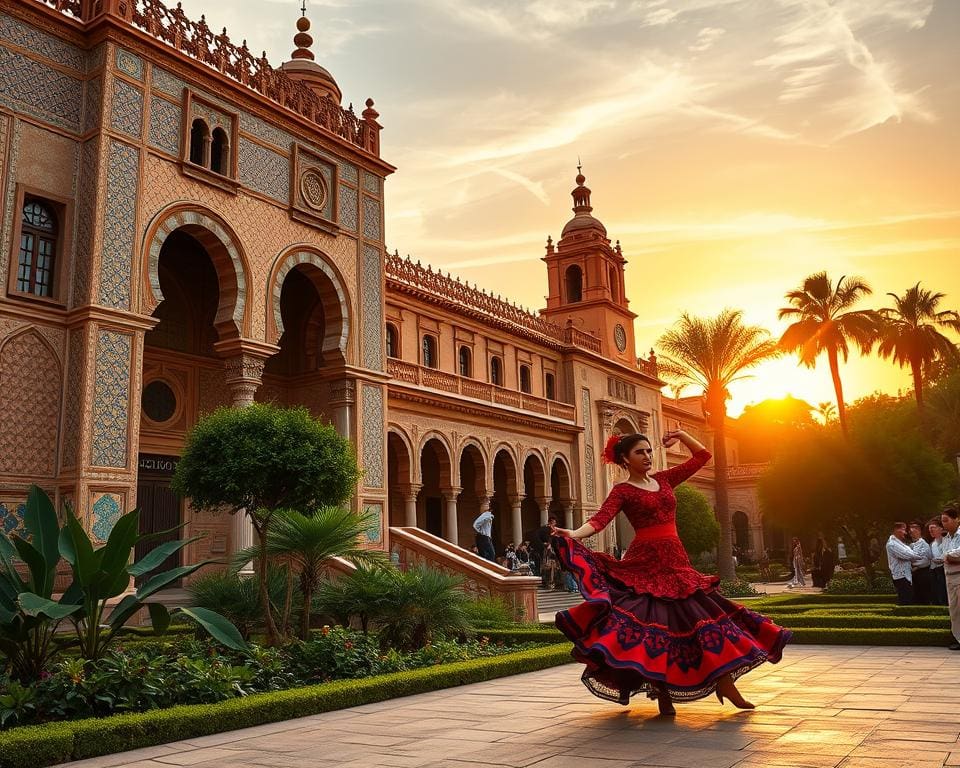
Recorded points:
(608, 450)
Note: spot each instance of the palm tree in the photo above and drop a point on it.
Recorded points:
(909, 334)
(826, 411)
(712, 353)
(307, 542)
(825, 323)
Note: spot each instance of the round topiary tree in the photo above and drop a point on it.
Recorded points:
(261, 458)
(697, 525)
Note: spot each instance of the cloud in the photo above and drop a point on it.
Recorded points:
(706, 38)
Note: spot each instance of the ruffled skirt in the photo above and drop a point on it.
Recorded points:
(637, 642)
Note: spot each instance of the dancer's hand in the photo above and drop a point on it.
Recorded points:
(561, 532)
(671, 437)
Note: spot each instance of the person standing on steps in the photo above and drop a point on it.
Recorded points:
(483, 525)
(651, 623)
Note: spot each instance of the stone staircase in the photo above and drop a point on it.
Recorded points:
(549, 601)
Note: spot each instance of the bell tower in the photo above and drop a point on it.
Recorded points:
(586, 280)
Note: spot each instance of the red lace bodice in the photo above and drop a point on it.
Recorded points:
(658, 566)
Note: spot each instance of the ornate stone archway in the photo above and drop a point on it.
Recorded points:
(223, 247)
(333, 295)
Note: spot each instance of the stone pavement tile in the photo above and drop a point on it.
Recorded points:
(122, 759)
(791, 760)
(197, 756)
(510, 755)
(676, 756)
(570, 761)
(913, 731)
(891, 761)
(952, 759)
(516, 724)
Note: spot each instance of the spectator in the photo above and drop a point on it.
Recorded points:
(900, 558)
(951, 566)
(796, 560)
(939, 587)
(510, 556)
(823, 564)
(549, 568)
(483, 525)
(922, 575)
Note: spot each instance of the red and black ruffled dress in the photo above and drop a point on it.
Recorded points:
(651, 620)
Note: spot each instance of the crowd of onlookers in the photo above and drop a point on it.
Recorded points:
(534, 556)
(916, 555)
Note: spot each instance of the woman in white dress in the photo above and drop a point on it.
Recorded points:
(798, 565)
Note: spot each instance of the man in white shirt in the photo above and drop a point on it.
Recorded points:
(950, 518)
(900, 558)
(483, 525)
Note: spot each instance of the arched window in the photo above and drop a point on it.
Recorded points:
(38, 248)
(199, 138)
(550, 386)
(220, 152)
(496, 371)
(573, 278)
(429, 351)
(465, 361)
(525, 379)
(393, 341)
(614, 285)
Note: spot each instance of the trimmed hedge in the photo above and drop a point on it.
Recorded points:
(859, 621)
(822, 599)
(35, 746)
(865, 636)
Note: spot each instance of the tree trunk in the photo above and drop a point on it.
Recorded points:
(838, 388)
(307, 612)
(725, 552)
(916, 367)
(272, 636)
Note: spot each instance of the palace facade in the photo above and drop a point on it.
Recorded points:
(186, 226)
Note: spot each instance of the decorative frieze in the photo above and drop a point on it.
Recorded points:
(111, 397)
(165, 125)
(349, 215)
(373, 438)
(372, 293)
(30, 38)
(126, 109)
(589, 462)
(372, 220)
(39, 90)
(264, 170)
(119, 222)
(130, 64)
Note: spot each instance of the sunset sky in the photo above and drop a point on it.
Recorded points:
(732, 146)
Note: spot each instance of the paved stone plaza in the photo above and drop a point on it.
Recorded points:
(823, 706)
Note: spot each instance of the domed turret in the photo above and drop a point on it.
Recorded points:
(582, 220)
(302, 66)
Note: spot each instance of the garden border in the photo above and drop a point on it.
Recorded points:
(35, 746)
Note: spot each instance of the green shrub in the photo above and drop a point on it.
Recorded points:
(236, 597)
(489, 612)
(857, 584)
(737, 588)
(38, 746)
(427, 603)
(872, 636)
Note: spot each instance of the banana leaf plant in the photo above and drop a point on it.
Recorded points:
(29, 615)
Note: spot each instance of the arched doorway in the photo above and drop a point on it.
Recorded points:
(505, 501)
(435, 480)
(311, 323)
(402, 500)
(533, 506)
(561, 493)
(473, 494)
(178, 354)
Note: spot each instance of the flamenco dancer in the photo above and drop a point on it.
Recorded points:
(651, 623)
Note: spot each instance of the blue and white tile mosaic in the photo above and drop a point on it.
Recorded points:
(39, 90)
(130, 64)
(165, 121)
(264, 170)
(372, 224)
(372, 308)
(372, 403)
(106, 512)
(119, 222)
(127, 109)
(111, 390)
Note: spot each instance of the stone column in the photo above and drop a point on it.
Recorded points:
(342, 399)
(410, 505)
(244, 374)
(544, 505)
(568, 521)
(450, 524)
(243, 366)
(516, 519)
